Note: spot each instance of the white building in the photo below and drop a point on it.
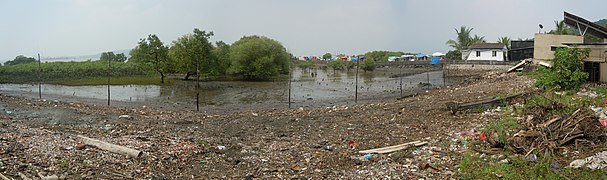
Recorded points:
(486, 51)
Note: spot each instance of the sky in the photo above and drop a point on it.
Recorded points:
(57, 28)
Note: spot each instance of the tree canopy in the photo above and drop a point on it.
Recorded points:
(151, 53)
(504, 40)
(20, 60)
(368, 65)
(105, 56)
(258, 58)
(465, 39)
(327, 56)
(561, 29)
(381, 56)
(454, 55)
(194, 50)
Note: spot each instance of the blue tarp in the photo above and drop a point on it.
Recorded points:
(420, 55)
(436, 60)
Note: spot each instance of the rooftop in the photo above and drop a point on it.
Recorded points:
(487, 46)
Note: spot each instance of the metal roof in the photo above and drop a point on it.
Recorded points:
(487, 46)
(585, 26)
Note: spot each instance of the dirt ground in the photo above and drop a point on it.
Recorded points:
(38, 137)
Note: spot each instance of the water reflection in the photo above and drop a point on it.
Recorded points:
(311, 85)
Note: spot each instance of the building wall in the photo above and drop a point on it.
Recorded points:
(544, 42)
(486, 54)
(603, 72)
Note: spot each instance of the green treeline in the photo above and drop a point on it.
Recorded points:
(58, 71)
(250, 58)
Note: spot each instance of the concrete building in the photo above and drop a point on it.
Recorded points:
(545, 44)
(595, 65)
(486, 51)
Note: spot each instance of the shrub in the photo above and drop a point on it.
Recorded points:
(566, 72)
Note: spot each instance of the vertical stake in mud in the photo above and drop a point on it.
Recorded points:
(356, 90)
(290, 76)
(39, 78)
(443, 66)
(109, 69)
(197, 87)
(401, 80)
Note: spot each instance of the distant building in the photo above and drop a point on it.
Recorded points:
(486, 51)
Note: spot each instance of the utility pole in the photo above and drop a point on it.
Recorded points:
(39, 77)
(109, 69)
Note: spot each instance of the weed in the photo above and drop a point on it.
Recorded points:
(503, 127)
(473, 167)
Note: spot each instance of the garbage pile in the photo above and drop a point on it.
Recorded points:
(550, 134)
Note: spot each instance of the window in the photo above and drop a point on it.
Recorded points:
(478, 54)
(494, 53)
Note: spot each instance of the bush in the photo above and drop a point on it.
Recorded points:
(566, 72)
(258, 58)
(368, 65)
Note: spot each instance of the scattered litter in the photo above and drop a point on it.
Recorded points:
(598, 161)
(585, 92)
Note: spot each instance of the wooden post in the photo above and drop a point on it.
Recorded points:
(290, 76)
(443, 66)
(197, 86)
(39, 77)
(109, 69)
(356, 90)
(401, 81)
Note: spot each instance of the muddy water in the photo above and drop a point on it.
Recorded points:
(308, 88)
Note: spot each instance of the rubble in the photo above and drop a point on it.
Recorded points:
(315, 143)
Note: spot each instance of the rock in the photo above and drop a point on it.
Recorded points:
(80, 146)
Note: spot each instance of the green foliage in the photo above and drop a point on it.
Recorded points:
(305, 64)
(474, 167)
(192, 52)
(152, 54)
(258, 58)
(368, 65)
(454, 55)
(222, 55)
(59, 71)
(105, 56)
(381, 56)
(566, 72)
(503, 127)
(336, 65)
(561, 29)
(350, 65)
(602, 22)
(327, 56)
(465, 39)
(504, 40)
(20, 60)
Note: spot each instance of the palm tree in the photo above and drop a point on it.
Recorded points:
(463, 39)
(477, 39)
(561, 29)
(505, 40)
